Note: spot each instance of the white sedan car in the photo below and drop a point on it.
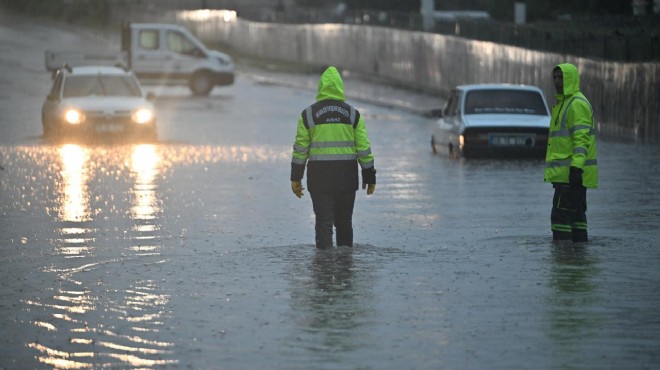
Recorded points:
(98, 101)
(493, 120)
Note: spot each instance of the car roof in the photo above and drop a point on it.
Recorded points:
(500, 86)
(97, 70)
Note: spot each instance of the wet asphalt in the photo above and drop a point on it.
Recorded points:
(192, 252)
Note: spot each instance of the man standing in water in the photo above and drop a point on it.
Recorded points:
(331, 140)
(571, 164)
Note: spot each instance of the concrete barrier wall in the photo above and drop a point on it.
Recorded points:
(625, 96)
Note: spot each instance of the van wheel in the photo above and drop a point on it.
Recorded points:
(200, 84)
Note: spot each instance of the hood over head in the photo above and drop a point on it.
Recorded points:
(331, 86)
(571, 78)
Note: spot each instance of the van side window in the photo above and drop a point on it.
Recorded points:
(148, 39)
(179, 43)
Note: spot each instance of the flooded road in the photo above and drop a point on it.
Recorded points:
(193, 253)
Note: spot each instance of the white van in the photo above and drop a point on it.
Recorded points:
(158, 53)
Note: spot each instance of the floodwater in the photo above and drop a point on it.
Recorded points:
(193, 253)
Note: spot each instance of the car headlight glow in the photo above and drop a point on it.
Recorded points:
(142, 116)
(74, 116)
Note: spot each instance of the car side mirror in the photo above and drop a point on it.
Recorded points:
(151, 96)
(437, 112)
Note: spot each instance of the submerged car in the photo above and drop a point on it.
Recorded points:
(98, 101)
(485, 120)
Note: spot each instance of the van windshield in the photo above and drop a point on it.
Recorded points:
(504, 102)
(76, 86)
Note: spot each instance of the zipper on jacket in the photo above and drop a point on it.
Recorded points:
(559, 111)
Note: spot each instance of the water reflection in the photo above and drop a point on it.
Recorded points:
(75, 196)
(332, 274)
(572, 310)
(144, 165)
(331, 305)
(96, 304)
(106, 319)
(74, 207)
(145, 205)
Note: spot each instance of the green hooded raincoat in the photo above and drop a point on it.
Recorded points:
(572, 140)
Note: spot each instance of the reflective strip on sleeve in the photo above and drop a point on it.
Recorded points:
(580, 151)
(363, 153)
(301, 149)
(559, 163)
(295, 160)
(366, 165)
(561, 133)
(581, 127)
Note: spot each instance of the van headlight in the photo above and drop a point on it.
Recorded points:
(74, 116)
(142, 116)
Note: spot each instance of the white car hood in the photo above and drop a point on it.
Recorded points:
(506, 120)
(107, 104)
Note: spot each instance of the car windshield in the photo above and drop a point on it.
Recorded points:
(99, 85)
(504, 102)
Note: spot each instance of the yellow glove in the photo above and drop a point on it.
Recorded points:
(297, 188)
(370, 188)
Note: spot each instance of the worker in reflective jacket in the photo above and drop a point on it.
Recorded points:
(331, 140)
(571, 164)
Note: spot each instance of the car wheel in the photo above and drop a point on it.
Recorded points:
(201, 84)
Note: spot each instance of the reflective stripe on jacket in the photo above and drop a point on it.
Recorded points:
(572, 137)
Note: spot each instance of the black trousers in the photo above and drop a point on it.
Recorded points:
(569, 213)
(333, 209)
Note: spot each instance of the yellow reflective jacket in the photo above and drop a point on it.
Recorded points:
(572, 136)
(331, 139)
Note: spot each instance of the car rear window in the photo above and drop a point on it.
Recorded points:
(504, 102)
(76, 86)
